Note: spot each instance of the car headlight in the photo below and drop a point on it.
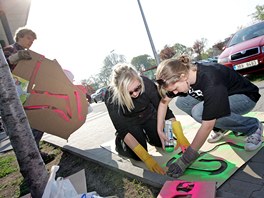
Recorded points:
(223, 60)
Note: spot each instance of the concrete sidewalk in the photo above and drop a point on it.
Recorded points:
(85, 142)
(246, 182)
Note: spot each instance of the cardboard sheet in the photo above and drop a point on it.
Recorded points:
(218, 161)
(186, 189)
(53, 105)
(78, 181)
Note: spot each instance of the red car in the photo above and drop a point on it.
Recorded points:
(245, 50)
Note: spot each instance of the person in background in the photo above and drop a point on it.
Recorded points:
(132, 102)
(225, 97)
(24, 38)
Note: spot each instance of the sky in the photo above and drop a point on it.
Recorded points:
(79, 34)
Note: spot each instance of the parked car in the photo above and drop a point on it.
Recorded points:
(99, 95)
(202, 61)
(245, 50)
(213, 59)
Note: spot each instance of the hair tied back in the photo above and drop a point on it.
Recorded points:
(184, 59)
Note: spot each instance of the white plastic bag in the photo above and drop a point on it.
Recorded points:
(93, 194)
(60, 188)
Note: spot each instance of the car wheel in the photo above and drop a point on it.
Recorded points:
(95, 101)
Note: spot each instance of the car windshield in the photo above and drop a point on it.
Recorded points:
(247, 34)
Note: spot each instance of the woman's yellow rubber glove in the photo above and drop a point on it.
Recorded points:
(151, 164)
(182, 141)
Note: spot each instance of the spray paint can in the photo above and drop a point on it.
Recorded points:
(169, 145)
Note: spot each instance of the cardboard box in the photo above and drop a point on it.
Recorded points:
(54, 105)
(185, 189)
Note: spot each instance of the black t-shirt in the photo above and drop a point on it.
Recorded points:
(146, 106)
(216, 82)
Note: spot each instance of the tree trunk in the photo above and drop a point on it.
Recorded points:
(29, 159)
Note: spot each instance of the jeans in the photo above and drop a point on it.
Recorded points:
(239, 104)
(37, 135)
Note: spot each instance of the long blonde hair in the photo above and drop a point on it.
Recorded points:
(169, 71)
(122, 76)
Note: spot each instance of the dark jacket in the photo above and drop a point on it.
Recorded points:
(9, 50)
(146, 106)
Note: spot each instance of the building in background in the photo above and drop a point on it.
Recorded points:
(13, 14)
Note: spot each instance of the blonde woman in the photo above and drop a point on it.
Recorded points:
(132, 102)
(224, 96)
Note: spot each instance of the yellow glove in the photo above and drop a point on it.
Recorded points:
(151, 164)
(182, 141)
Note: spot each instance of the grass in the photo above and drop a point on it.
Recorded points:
(255, 77)
(104, 181)
(10, 177)
(100, 179)
(7, 165)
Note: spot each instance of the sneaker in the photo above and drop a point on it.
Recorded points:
(216, 135)
(254, 141)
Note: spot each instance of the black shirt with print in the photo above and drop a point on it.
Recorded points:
(216, 82)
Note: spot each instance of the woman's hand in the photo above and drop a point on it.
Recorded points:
(162, 110)
(163, 138)
(177, 168)
(150, 163)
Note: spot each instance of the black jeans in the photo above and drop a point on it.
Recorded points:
(144, 133)
(37, 135)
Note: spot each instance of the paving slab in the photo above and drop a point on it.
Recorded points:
(86, 142)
